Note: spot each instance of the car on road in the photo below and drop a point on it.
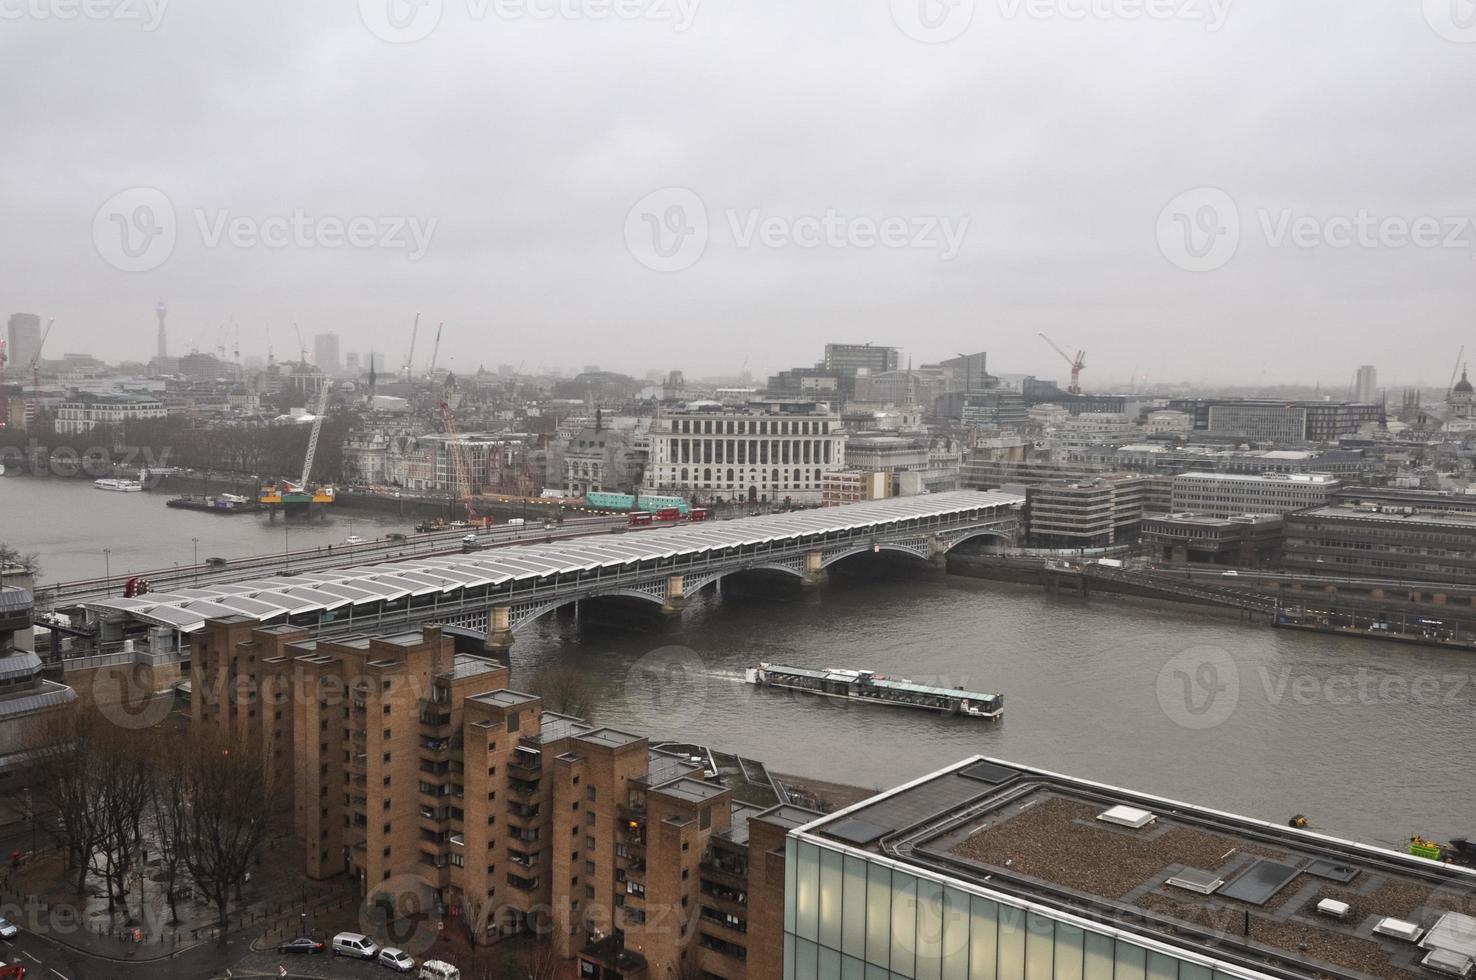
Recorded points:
(8, 929)
(396, 959)
(302, 944)
(354, 944)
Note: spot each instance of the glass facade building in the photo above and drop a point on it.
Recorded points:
(855, 915)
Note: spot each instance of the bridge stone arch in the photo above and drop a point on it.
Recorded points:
(911, 549)
(525, 613)
(1007, 535)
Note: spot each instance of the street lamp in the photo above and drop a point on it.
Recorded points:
(108, 570)
(196, 542)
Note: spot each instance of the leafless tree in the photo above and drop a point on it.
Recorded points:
(65, 747)
(29, 563)
(168, 816)
(229, 803)
(121, 784)
(564, 690)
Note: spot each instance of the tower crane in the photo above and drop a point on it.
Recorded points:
(312, 450)
(35, 406)
(436, 350)
(462, 487)
(1077, 363)
(410, 356)
(302, 348)
(1454, 371)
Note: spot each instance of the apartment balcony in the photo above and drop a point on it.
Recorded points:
(522, 788)
(725, 872)
(526, 760)
(724, 925)
(357, 764)
(523, 811)
(523, 884)
(522, 860)
(523, 835)
(722, 897)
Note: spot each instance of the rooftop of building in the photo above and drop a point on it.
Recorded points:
(1206, 883)
(1308, 479)
(611, 737)
(1387, 515)
(469, 665)
(1204, 520)
(504, 698)
(690, 790)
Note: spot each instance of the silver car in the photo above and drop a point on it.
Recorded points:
(396, 959)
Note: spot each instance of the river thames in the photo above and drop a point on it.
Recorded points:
(1369, 739)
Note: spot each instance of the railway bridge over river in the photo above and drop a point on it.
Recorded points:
(500, 591)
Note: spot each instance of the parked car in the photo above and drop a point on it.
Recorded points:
(438, 970)
(302, 944)
(8, 929)
(396, 959)
(354, 944)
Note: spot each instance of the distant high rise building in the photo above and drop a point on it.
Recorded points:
(325, 353)
(1367, 385)
(351, 362)
(163, 334)
(24, 340)
(847, 359)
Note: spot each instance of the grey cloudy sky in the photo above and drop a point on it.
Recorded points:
(1218, 190)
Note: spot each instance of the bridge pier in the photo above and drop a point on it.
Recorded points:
(815, 574)
(499, 630)
(676, 596)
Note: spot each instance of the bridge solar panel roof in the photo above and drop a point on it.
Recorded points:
(187, 609)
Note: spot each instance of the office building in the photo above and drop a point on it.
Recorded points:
(23, 341)
(26, 698)
(1386, 541)
(1100, 513)
(1366, 385)
(770, 451)
(411, 761)
(1233, 494)
(325, 354)
(84, 412)
(1280, 422)
(848, 360)
(1245, 541)
(853, 486)
(988, 870)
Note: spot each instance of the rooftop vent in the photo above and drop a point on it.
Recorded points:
(1448, 962)
(1195, 880)
(1127, 816)
(1333, 907)
(1399, 929)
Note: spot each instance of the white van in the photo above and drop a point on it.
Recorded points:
(438, 970)
(354, 944)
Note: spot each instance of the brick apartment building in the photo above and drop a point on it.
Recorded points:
(411, 765)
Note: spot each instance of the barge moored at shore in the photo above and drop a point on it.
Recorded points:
(870, 687)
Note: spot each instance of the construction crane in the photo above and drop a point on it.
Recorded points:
(34, 411)
(4, 400)
(436, 350)
(1077, 363)
(312, 450)
(302, 348)
(461, 489)
(1454, 371)
(410, 356)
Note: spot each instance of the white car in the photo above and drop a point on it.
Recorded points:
(354, 944)
(396, 959)
(8, 929)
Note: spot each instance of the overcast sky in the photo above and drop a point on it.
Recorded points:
(700, 184)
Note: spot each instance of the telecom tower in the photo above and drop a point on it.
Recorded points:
(163, 335)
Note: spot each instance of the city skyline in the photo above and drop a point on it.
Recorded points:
(1107, 237)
